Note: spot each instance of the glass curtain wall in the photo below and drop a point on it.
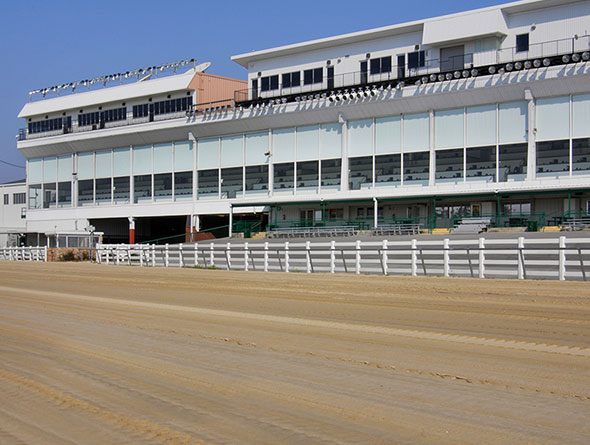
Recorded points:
(360, 173)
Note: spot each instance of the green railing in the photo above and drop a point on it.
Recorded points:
(248, 228)
(356, 223)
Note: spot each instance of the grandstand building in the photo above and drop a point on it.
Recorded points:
(484, 113)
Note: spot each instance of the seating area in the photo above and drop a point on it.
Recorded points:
(396, 229)
(471, 225)
(311, 232)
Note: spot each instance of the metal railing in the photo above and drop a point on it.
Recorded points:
(549, 258)
(23, 253)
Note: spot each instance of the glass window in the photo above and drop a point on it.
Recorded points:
(269, 83)
(553, 158)
(513, 162)
(64, 168)
(388, 170)
(360, 173)
(231, 182)
(35, 196)
(522, 42)
(232, 151)
(85, 192)
(103, 190)
(208, 154)
(142, 160)
(581, 156)
(163, 186)
(183, 185)
(360, 137)
(380, 65)
(64, 194)
(142, 188)
(35, 173)
(480, 126)
(331, 174)
(103, 164)
(256, 147)
(283, 145)
(162, 158)
(308, 143)
(448, 128)
(284, 176)
(449, 166)
(121, 190)
(49, 195)
(121, 162)
(256, 179)
(291, 79)
(86, 165)
(208, 185)
(307, 175)
(416, 132)
(49, 169)
(481, 164)
(331, 141)
(313, 76)
(416, 168)
(416, 59)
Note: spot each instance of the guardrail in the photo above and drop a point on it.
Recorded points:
(23, 253)
(552, 258)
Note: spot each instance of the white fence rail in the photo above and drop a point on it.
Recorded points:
(23, 253)
(552, 258)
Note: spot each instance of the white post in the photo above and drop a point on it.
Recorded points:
(166, 255)
(446, 268)
(231, 220)
(332, 256)
(520, 258)
(153, 255)
(266, 256)
(211, 255)
(482, 258)
(180, 256)
(384, 256)
(375, 213)
(562, 258)
(286, 256)
(358, 257)
(141, 251)
(228, 255)
(308, 255)
(414, 247)
(117, 260)
(246, 256)
(196, 254)
(45, 253)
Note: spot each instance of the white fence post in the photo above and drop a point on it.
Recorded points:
(562, 258)
(384, 256)
(286, 256)
(246, 256)
(45, 253)
(228, 255)
(266, 256)
(414, 246)
(358, 257)
(153, 255)
(196, 254)
(166, 255)
(180, 256)
(332, 256)
(141, 252)
(117, 259)
(446, 258)
(482, 258)
(308, 255)
(211, 255)
(520, 258)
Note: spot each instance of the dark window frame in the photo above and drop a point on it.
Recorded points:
(522, 42)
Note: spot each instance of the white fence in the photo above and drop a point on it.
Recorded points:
(550, 258)
(23, 253)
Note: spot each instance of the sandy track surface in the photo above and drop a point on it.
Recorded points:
(105, 354)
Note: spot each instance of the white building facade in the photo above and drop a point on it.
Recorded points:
(482, 113)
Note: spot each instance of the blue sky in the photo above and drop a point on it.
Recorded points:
(48, 43)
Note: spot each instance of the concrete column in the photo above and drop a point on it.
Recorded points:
(231, 219)
(432, 160)
(375, 212)
(531, 171)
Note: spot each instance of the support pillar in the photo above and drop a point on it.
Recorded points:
(131, 229)
(375, 213)
(231, 220)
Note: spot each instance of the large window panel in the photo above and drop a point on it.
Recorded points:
(35, 173)
(256, 179)
(581, 156)
(86, 165)
(103, 164)
(64, 193)
(231, 182)
(64, 168)
(183, 185)
(284, 177)
(85, 192)
(581, 115)
(50, 169)
(388, 170)
(49, 195)
(35, 201)
(449, 166)
(416, 168)
(360, 137)
(142, 160)
(103, 191)
(208, 154)
(388, 134)
(142, 188)
(481, 164)
(283, 145)
(121, 162)
(330, 141)
(512, 127)
(232, 148)
(121, 189)
(553, 118)
(513, 162)
(448, 128)
(480, 126)
(163, 186)
(256, 147)
(307, 176)
(208, 183)
(360, 173)
(331, 174)
(183, 156)
(308, 143)
(162, 158)
(416, 132)
(553, 158)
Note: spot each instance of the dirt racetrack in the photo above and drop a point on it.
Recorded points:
(103, 354)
